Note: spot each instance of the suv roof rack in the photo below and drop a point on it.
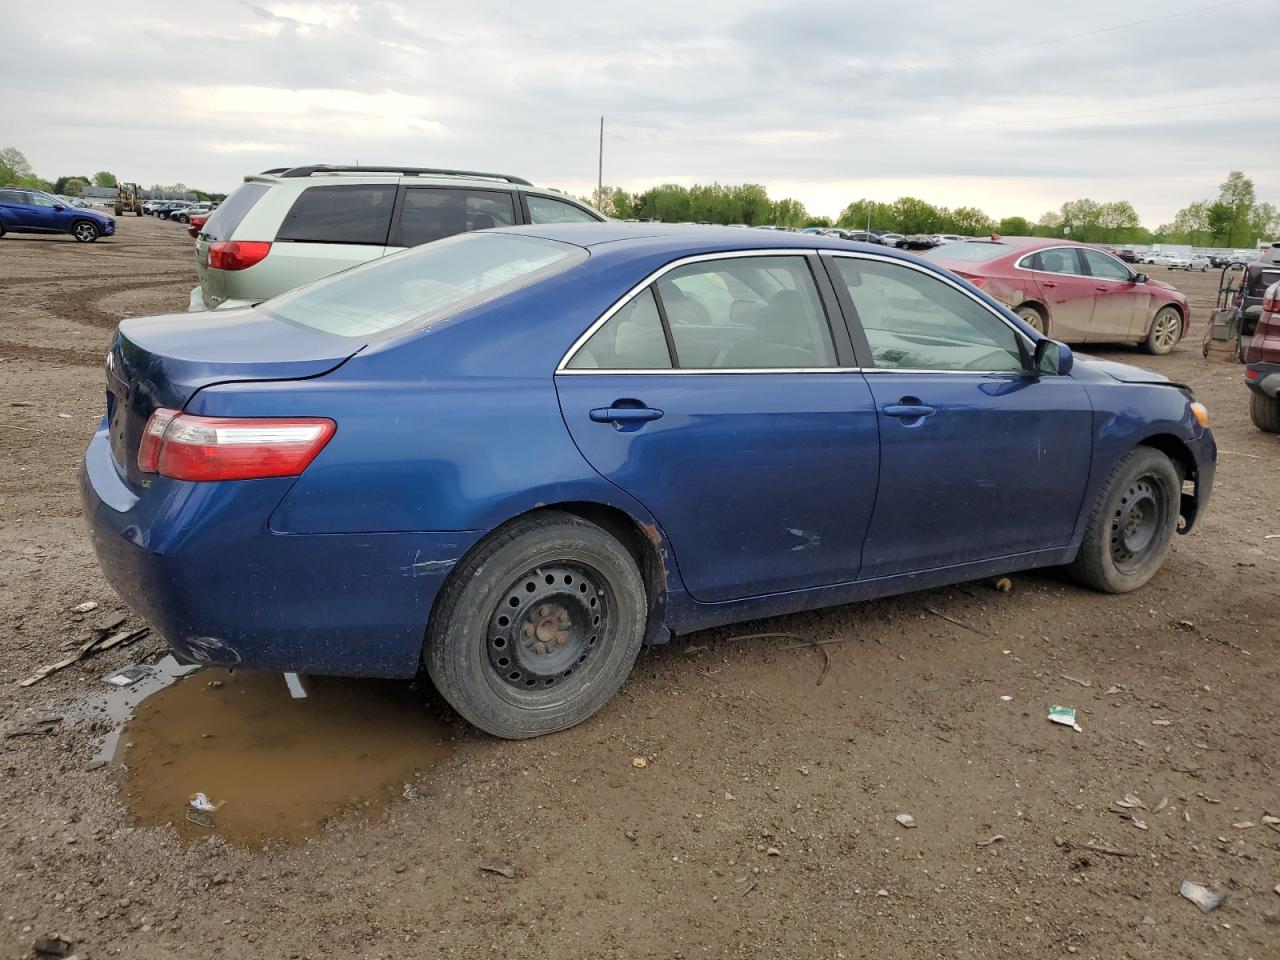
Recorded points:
(392, 168)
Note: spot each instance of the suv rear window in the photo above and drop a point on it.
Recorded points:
(432, 213)
(235, 208)
(967, 252)
(346, 213)
(424, 284)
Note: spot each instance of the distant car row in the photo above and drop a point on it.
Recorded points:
(180, 211)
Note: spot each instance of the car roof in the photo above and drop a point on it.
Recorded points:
(691, 239)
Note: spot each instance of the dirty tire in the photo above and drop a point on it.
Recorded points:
(512, 644)
(1, 229)
(1131, 523)
(85, 231)
(1031, 315)
(1165, 331)
(1264, 411)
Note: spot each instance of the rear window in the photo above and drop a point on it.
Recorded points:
(433, 213)
(347, 213)
(425, 284)
(235, 208)
(966, 252)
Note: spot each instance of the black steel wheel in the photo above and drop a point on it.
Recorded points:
(537, 627)
(1131, 523)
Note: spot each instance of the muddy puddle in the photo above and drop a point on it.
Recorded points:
(273, 767)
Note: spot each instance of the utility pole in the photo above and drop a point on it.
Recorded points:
(600, 167)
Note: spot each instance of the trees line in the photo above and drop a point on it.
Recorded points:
(15, 171)
(1234, 219)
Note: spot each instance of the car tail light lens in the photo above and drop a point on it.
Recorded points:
(1271, 302)
(979, 282)
(237, 254)
(1252, 374)
(188, 447)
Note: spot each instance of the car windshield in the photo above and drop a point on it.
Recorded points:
(967, 251)
(424, 284)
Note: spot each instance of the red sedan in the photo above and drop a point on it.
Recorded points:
(197, 223)
(1071, 291)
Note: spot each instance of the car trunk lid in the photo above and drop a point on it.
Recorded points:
(160, 362)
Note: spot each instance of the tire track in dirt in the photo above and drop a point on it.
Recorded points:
(60, 355)
(74, 306)
(11, 283)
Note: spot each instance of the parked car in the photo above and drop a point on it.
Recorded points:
(184, 214)
(1071, 291)
(284, 228)
(167, 209)
(918, 241)
(34, 211)
(1256, 277)
(351, 445)
(891, 239)
(196, 223)
(1262, 359)
(1196, 261)
(1128, 256)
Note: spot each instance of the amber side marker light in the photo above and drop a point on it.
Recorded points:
(1201, 413)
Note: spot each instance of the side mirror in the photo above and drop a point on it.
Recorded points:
(58, 206)
(1053, 358)
(1140, 278)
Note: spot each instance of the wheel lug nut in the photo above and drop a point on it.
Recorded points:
(528, 629)
(544, 611)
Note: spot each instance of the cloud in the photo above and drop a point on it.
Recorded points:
(824, 100)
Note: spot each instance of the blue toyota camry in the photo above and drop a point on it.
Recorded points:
(514, 456)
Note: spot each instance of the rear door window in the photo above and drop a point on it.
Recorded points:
(356, 213)
(746, 313)
(1062, 260)
(433, 213)
(551, 210)
(234, 209)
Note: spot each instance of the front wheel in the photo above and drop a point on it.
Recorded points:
(538, 627)
(1264, 411)
(85, 231)
(1165, 331)
(1129, 528)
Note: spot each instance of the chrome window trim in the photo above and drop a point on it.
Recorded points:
(951, 283)
(563, 370)
(799, 252)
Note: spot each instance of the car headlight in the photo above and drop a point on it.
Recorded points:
(1200, 412)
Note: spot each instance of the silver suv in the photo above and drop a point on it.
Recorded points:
(288, 226)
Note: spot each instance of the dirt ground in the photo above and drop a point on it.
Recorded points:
(762, 822)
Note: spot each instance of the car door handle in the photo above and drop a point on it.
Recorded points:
(617, 414)
(1048, 283)
(908, 411)
(1103, 289)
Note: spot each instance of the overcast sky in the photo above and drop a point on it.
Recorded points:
(1000, 105)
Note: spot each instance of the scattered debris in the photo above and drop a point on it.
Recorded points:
(96, 645)
(1164, 802)
(1130, 800)
(1244, 825)
(1006, 698)
(639, 762)
(1095, 847)
(754, 884)
(907, 820)
(200, 818)
(1272, 536)
(958, 623)
(52, 946)
(1161, 723)
(214, 684)
(1201, 896)
(85, 607)
(502, 868)
(1140, 824)
(882, 892)
(1083, 683)
(410, 792)
(986, 843)
(1065, 716)
(112, 621)
(773, 852)
(201, 802)
(126, 675)
(1003, 584)
(39, 727)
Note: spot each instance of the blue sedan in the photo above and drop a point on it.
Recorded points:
(34, 211)
(515, 456)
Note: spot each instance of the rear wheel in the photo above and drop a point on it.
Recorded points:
(1129, 528)
(1033, 317)
(1165, 331)
(86, 231)
(538, 628)
(1264, 411)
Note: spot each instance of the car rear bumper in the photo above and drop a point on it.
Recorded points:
(199, 564)
(1262, 377)
(196, 303)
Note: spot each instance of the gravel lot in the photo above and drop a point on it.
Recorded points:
(762, 821)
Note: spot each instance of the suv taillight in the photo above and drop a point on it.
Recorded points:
(237, 254)
(188, 447)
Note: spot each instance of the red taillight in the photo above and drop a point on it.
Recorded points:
(979, 282)
(196, 223)
(1271, 304)
(1252, 374)
(237, 254)
(187, 447)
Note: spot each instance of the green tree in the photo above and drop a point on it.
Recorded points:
(1218, 222)
(1190, 224)
(912, 215)
(1264, 222)
(1237, 193)
(1014, 227)
(790, 213)
(969, 220)
(13, 167)
(863, 213)
(105, 179)
(70, 186)
(1119, 220)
